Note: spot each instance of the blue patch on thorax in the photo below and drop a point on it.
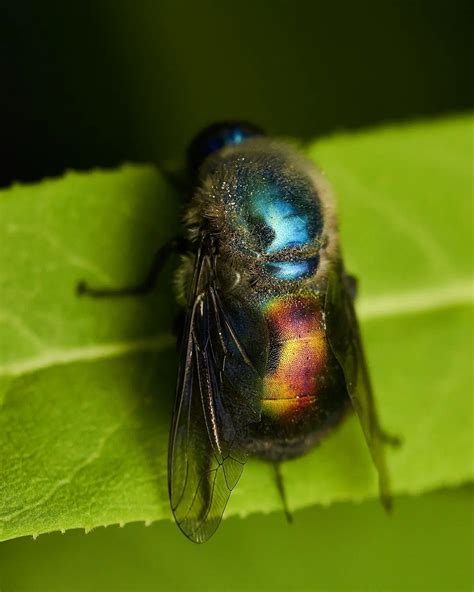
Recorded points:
(273, 208)
(293, 270)
(289, 225)
(284, 221)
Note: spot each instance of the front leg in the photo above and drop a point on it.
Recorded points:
(387, 438)
(148, 283)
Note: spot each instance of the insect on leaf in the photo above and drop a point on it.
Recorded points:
(87, 387)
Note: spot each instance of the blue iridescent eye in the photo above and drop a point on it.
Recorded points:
(217, 136)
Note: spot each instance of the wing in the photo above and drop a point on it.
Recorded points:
(344, 337)
(216, 399)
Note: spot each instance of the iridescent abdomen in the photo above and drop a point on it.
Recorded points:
(298, 355)
(303, 391)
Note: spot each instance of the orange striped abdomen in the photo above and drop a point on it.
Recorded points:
(296, 371)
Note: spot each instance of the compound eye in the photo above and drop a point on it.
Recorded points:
(217, 136)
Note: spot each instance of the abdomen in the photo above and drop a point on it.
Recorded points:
(303, 388)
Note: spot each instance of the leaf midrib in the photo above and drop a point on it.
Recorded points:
(377, 307)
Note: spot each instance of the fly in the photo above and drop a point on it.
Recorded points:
(271, 357)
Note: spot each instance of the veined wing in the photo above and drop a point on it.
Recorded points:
(344, 337)
(216, 399)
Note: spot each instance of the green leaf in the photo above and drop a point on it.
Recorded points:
(347, 547)
(87, 386)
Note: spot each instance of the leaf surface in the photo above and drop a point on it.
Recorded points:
(86, 387)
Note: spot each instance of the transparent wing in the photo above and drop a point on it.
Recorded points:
(216, 399)
(344, 337)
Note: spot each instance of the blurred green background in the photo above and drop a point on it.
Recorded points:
(98, 83)
(425, 545)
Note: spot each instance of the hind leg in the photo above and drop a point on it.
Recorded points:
(281, 490)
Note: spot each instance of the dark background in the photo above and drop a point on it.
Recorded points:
(99, 82)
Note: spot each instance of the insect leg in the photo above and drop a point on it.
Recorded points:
(352, 285)
(281, 491)
(388, 439)
(144, 287)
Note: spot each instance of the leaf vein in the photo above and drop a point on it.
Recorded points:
(88, 353)
(93, 456)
